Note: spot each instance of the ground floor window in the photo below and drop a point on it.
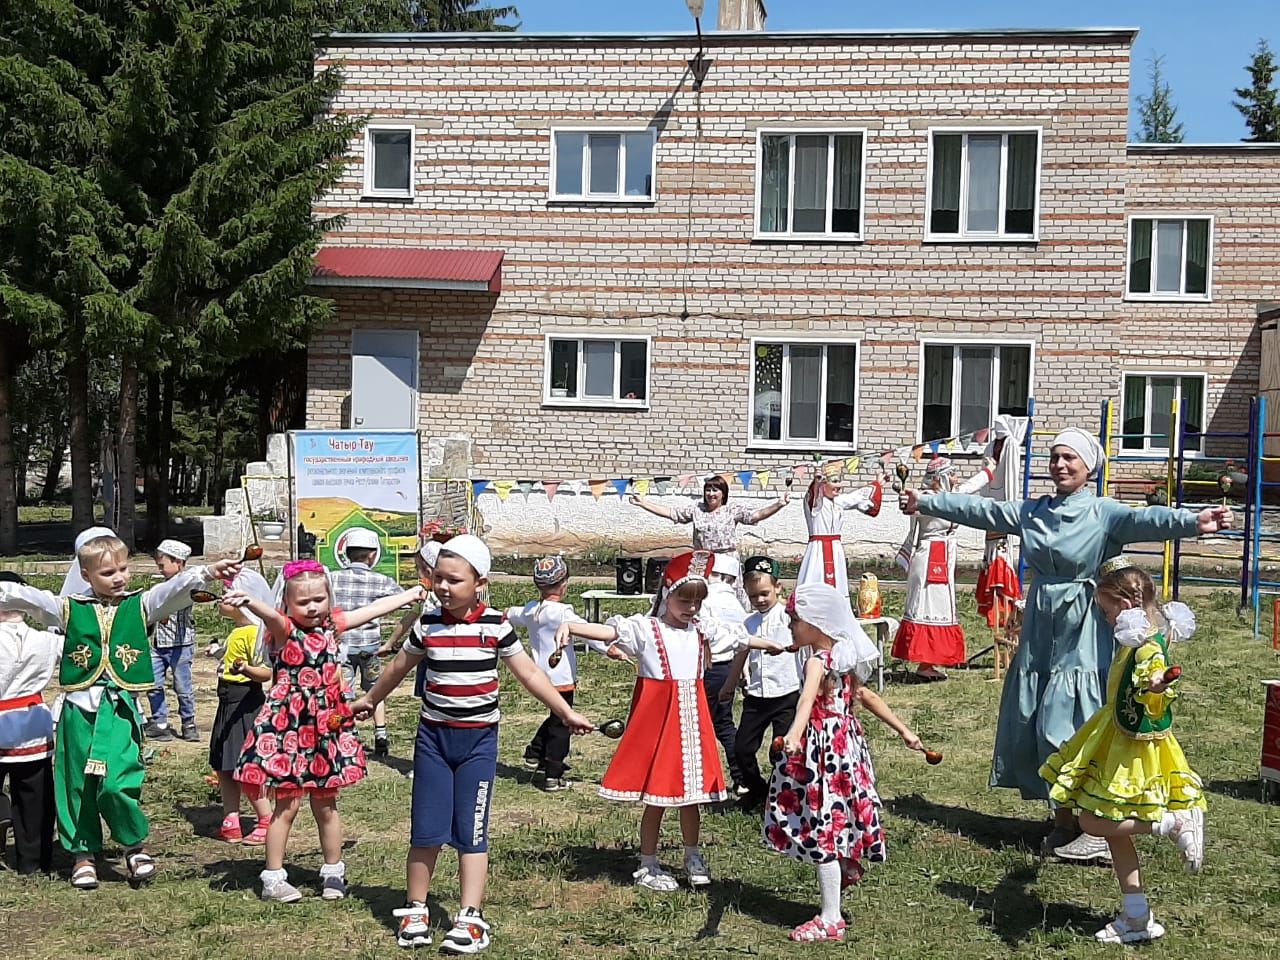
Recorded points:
(964, 386)
(804, 392)
(1148, 405)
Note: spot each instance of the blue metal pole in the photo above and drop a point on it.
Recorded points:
(1246, 502)
(1182, 445)
(1257, 466)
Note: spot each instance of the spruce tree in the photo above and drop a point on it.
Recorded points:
(1157, 113)
(1259, 103)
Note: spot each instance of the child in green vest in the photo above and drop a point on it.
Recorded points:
(1123, 771)
(106, 661)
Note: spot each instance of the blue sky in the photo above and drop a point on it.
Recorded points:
(1206, 44)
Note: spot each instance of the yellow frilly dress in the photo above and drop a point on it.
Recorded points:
(1124, 763)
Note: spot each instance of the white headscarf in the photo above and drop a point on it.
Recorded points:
(824, 607)
(1007, 482)
(74, 584)
(1085, 445)
(255, 585)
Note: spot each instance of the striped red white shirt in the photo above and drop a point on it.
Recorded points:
(460, 687)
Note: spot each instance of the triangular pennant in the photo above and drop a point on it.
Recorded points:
(917, 453)
(662, 485)
(597, 487)
(799, 472)
(952, 446)
(525, 487)
(726, 477)
(478, 487)
(620, 485)
(641, 487)
(933, 447)
(503, 488)
(980, 436)
(886, 457)
(763, 478)
(745, 477)
(549, 487)
(851, 465)
(684, 479)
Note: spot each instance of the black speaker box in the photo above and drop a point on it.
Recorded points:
(630, 575)
(654, 568)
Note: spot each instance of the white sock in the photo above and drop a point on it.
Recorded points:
(649, 860)
(338, 869)
(270, 877)
(829, 886)
(690, 852)
(1164, 826)
(1136, 906)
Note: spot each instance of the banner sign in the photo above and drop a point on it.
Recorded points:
(343, 479)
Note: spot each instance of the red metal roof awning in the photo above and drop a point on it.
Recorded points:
(421, 268)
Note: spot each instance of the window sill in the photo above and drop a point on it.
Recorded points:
(808, 238)
(1159, 452)
(799, 446)
(1013, 240)
(554, 403)
(387, 198)
(601, 201)
(1167, 298)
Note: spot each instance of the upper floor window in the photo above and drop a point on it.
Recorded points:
(591, 371)
(1170, 257)
(1147, 413)
(804, 392)
(388, 161)
(603, 165)
(810, 185)
(964, 386)
(984, 185)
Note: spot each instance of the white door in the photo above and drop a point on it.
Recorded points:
(384, 380)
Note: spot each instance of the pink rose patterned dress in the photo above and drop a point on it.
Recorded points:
(304, 740)
(823, 804)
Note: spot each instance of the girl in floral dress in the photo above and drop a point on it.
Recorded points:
(823, 803)
(303, 741)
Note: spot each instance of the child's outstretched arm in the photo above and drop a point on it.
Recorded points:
(396, 640)
(392, 674)
(165, 599)
(277, 623)
(38, 604)
(381, 607)
(814, 671)
(536, 682)
(871, 700)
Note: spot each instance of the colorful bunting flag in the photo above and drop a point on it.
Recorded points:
(933, 447)
(641, 487)
(745, 477)
(503, 488)
(478, 487)
(980, 436)
(917, 453)
(763, 477)
(684, 480)
(662, 485)
(525, 487)
(620, 485)
(800, 472)
(597, 487)
(549, 487)
(851, 465)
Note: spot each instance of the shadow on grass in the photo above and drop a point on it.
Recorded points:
(1239, 789)
(1011, 911)
(993, 832)
(206, 819)
(401, 765)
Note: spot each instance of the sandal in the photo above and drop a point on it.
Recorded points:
(818, 929)
(141, 865)
(655, 879)
(259, 835)
(85, 876)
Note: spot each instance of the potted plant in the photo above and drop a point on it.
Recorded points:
(441, 529)
(270, 522)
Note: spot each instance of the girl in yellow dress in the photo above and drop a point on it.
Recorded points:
(1123, 771)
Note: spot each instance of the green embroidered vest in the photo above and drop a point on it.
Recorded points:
(124, 656)
(1130, 713)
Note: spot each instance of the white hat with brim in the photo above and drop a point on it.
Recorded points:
(362, 538)
(471, 549)
(174, 548)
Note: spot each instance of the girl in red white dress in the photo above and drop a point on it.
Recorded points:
(303, 741)
(823, 805)
(667, 757)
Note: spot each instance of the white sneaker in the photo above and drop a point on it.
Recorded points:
(415, 925)
(470, 933)
(1085, 848)
(696, 868)
(1188, 834)
(1130, 930)
(334, 887)
(655, 878)
(280, 891)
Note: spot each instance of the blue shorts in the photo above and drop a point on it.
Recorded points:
(454, 769)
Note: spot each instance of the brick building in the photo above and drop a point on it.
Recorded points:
(561, 260)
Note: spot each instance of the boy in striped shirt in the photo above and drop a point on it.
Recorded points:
(456, 755)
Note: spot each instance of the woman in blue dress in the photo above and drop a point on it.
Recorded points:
(1058, 677)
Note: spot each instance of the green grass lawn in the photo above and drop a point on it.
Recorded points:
(962, 880)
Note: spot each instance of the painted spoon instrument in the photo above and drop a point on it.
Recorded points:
(252, 552)
(933, 757)
(203, 596)
(777, 749)
(612, 729)
(1172, 674)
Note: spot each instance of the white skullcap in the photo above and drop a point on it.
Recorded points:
(73, 583)
(471, 549)
(362, 538)
(1085, 445)
(174, 548)
(825, 607)
(430, 552)
(727, 565)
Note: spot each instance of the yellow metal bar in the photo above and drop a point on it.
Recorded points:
(1171, 469)
(1108, 419)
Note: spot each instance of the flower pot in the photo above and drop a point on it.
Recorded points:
(271, 529)
(442, 537)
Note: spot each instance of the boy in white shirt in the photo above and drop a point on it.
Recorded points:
(722, 603)
(27, 660)
(772, 687)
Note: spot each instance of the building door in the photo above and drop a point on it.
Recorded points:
(384, 380)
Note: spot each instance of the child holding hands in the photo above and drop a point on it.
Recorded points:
(456, 755)
(1123, 770)
(302, 742)
(822, 804)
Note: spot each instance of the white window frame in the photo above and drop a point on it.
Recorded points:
(785, 442)
(1147, 374)
(618, 197)
(826, 236)
(1165, 296)
(369, 189)
(962, 236)
(582, 402)
(955, 377)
